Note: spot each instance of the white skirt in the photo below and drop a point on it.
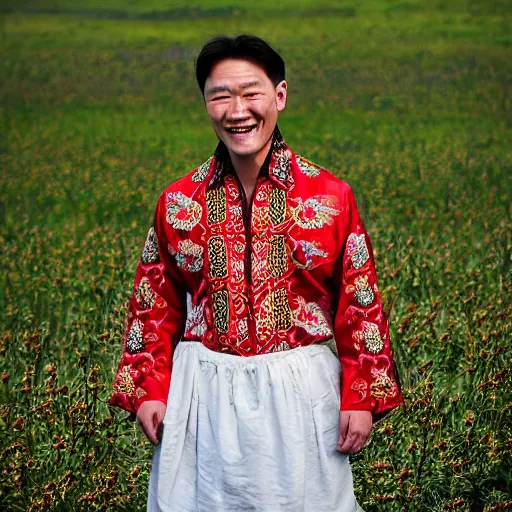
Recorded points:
(252, 433)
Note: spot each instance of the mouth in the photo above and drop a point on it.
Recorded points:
(241, 129)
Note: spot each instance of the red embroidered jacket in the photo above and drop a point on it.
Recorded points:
(293, 268)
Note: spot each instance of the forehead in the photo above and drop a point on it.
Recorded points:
(235, 70)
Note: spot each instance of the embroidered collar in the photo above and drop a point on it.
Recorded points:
(277, 164)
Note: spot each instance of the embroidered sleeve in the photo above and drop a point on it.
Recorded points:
(156, 317)
(370, 380)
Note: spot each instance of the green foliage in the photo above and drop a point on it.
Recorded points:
(405, 100)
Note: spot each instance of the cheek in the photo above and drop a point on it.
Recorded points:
(215, 113)
(268, 111)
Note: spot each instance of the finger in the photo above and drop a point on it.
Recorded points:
(357, 446)
(358, 443)
(347, 445)
(344, 420)
(158, 424)
(160, 414)
(149, 430)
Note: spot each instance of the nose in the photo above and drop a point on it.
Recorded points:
(237, 109)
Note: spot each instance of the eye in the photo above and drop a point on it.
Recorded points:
(251, 94)
(216, 98)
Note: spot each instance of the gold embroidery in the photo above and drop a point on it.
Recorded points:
(140, 393)
(383, 386)
(144, 294)
(124, 382)
(281, 310)
(220, 305)
(277, 205)
(360, 386)
(217, 256)
(276, 256)
(216, 205)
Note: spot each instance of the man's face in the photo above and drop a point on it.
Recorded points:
(243, 105)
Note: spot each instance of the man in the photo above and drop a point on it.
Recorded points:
(260, 414)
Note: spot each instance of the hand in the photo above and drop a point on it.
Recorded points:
(150, 417)
(355, 428)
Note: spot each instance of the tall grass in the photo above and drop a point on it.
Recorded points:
(407, 101)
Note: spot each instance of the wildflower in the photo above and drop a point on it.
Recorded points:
(19, 423)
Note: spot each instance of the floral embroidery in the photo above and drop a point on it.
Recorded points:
(276, 256)
(315, 212)
(202, 170)
(189, 255)
(312, 318)
(124, 382)
(220, 303)
(260, 217)
(139, 393)
(308, 168)
(360, 386)
(303, 255)
(370, 335)
(357, 250)
(216, 205)
(217, 256)
(182, 211)
(242, 329)
(195, 324)
(134, 340)
(265, 319)
(281, 311)
(383, 386)
(144, 294)
(150, 250)
(363, 294)
(277, 205)
(280, 347)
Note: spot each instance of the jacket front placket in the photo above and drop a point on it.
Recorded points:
(249, 315)
(246, 207)
(267, 263)
(229, 262)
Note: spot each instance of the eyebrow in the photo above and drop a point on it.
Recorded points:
(221, 88)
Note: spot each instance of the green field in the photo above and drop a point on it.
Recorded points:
(408, 101)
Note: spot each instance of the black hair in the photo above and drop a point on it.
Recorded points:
(242, 46)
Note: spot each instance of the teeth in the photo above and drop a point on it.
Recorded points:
(240, 130)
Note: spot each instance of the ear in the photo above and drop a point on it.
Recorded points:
(281, 95)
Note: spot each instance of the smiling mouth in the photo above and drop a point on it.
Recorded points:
(242, 129)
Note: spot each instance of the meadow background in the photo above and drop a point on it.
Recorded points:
(407, 100)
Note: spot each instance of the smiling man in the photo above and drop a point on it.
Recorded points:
(257, 287)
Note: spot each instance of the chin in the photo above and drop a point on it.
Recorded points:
(242, 150)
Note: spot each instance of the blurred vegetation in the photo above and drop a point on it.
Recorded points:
(408, 101)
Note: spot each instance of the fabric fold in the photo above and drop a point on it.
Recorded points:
(252, 434)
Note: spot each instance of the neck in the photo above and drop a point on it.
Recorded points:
(248, 167)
